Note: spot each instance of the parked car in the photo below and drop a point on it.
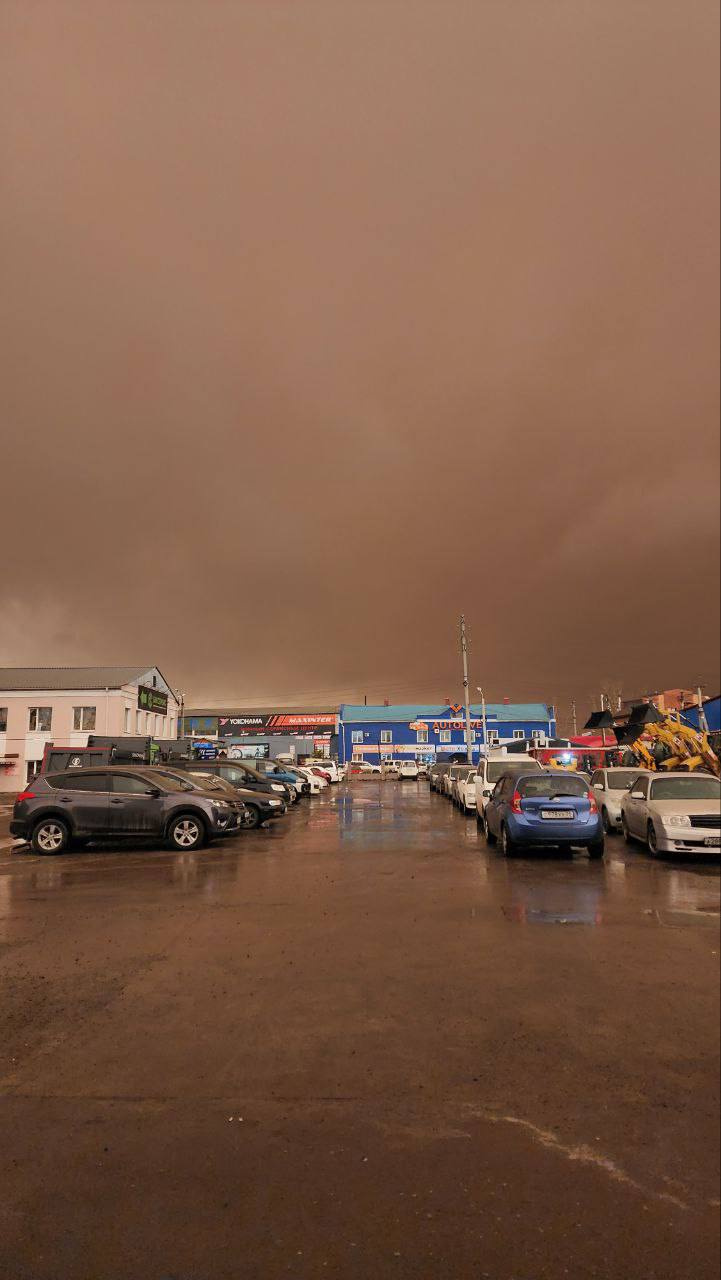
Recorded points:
(464, 789)
(435, 774)
(543, 808)
(673, 812)
(491, 769)
(450, 777)
(316, 781)
(364, 767)
(261, 805)
(59, 811)
(610, 785)
(329, 767)
(256, 792)
(423, 767)
(408, 769)
(391, 768)
(275, 772)
(204, 782)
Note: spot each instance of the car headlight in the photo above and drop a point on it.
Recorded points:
(277, 786)
(222, 804)
(678, 820)
(275, 802)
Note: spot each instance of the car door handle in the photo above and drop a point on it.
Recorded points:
(116, 802)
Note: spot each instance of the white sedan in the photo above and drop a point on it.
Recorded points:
(464, 789)
(673, 812)
(610, 786)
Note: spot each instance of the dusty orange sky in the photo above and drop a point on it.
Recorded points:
(322, 322)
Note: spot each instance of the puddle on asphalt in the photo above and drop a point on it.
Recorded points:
(520, 914)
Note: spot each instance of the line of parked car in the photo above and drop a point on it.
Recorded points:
(519, 803)
(184, 803)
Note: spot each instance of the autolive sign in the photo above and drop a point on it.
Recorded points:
(309, 723)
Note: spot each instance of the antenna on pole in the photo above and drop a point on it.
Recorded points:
(466, 698)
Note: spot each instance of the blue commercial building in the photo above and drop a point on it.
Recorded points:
(712, 711)
(437, 732)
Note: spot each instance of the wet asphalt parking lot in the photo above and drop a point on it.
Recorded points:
(359, 1044)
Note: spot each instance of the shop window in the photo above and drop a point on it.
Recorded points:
(84, 718)
(386, 735)
(356, 735)
(444, 735)
(3, 719)
(40, 719)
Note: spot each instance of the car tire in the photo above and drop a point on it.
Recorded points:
(652, 840)
(50, 836)
(624, 827)
(254, 818)
(186, 832)
(508, 844)
(596, 848)
(607, 826)
(490, 837)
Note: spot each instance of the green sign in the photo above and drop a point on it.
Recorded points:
(152, 700)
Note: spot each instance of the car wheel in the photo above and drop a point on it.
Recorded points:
(50, 836)
(508, 844)
(607, 825)
(652, 840)
(186, 832)
(253, 819)
(624, 828)
(293, 795)
(596, 849)
(490, 837)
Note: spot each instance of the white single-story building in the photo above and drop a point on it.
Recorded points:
(64, 705)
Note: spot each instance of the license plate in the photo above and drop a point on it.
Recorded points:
(713, 841)
(558, 813)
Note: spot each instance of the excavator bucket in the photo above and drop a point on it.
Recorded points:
(645, 713)
(599, 720)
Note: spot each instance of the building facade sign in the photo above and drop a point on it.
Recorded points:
(152, 700)
(308, 723)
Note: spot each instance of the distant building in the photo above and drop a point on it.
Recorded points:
(265, 732)
(431, 731)
(64, 705)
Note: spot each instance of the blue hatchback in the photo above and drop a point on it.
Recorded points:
(551, 808)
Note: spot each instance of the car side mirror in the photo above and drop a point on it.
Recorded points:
(637, 795)
(598, 786)
(153, 791)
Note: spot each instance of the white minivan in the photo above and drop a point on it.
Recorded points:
(408, 769)
(490, 770)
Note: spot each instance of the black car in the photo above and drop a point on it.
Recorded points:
(238, 774)
(63, 810)
(259, 806)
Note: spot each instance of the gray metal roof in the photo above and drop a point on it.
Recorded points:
(16, 678)
(258, 711)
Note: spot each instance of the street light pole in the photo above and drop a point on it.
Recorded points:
(483, 720)
(466, 697)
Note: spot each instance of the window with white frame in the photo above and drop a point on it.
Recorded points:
(356, 735)
(518, 733)
(538, 735)
(444, 735)
(3, 719)
(386, 735)
(421, 735)
(32, 770)
(40, 719)
(492, 737)
(84, 718)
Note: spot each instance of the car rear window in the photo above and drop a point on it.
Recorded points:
(552, 788)
(496, 769)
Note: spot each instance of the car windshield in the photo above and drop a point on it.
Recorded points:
(185, 783)
(497, 769)
(168, 781)
(621, 779)
(552, 788)
(686, 788)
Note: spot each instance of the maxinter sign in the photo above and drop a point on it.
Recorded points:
(309, 723)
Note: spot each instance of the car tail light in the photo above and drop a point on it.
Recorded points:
(26, 795)
(592, 802)
(516, 802)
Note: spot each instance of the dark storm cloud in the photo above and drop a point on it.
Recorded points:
(323, 322)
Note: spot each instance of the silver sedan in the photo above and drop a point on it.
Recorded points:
(673, 812)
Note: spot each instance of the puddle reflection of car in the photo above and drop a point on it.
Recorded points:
(673, 812)
(543, 809)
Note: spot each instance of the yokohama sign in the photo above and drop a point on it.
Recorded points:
(308, 722)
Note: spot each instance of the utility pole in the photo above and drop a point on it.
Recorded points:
(573, 715)
(466, 698)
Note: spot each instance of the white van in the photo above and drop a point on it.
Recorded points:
(408, 769)
(490, 770)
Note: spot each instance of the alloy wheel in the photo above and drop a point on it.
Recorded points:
(186, 833)
(50, 837)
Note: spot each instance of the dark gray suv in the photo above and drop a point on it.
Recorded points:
(65, 810)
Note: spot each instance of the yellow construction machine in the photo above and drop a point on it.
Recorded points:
(668, 743)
